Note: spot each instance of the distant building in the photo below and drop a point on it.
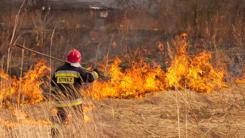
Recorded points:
(100, 13)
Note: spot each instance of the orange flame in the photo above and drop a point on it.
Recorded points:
(195, 73)
(186, 72)
(137, 80)
(28, 87)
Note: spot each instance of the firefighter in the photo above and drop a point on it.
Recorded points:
(66, 82)
(70, 77)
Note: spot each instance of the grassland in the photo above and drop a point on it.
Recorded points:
(160, 114)
(214, 26)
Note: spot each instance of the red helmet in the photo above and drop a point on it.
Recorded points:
(74, 56)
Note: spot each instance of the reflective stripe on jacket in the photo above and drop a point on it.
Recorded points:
(69, 77)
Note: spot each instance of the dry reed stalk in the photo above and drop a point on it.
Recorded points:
(177, 110)
(1, 84)
(107, 56)
(170, 52)
(16, 22)
(50, 54)
(186, 113)
(21, 75)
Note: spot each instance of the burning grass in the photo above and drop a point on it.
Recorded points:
(23, 90)
(135, 81)
(195, 73)
(186, 72)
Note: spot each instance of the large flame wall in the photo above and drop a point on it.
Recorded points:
(195, 73)
(186, 72)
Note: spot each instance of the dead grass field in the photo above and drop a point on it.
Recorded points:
(215, 26)
(161, 114)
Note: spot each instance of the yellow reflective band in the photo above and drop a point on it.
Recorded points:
(65, 80)
(70, 103)
(66, 75)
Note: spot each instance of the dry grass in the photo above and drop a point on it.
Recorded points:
(163, 114)
(217, 114)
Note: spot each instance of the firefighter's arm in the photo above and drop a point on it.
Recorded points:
(89, 76)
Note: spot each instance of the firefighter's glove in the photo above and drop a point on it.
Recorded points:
(95, 75)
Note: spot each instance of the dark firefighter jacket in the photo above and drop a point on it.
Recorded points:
(69, 79)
